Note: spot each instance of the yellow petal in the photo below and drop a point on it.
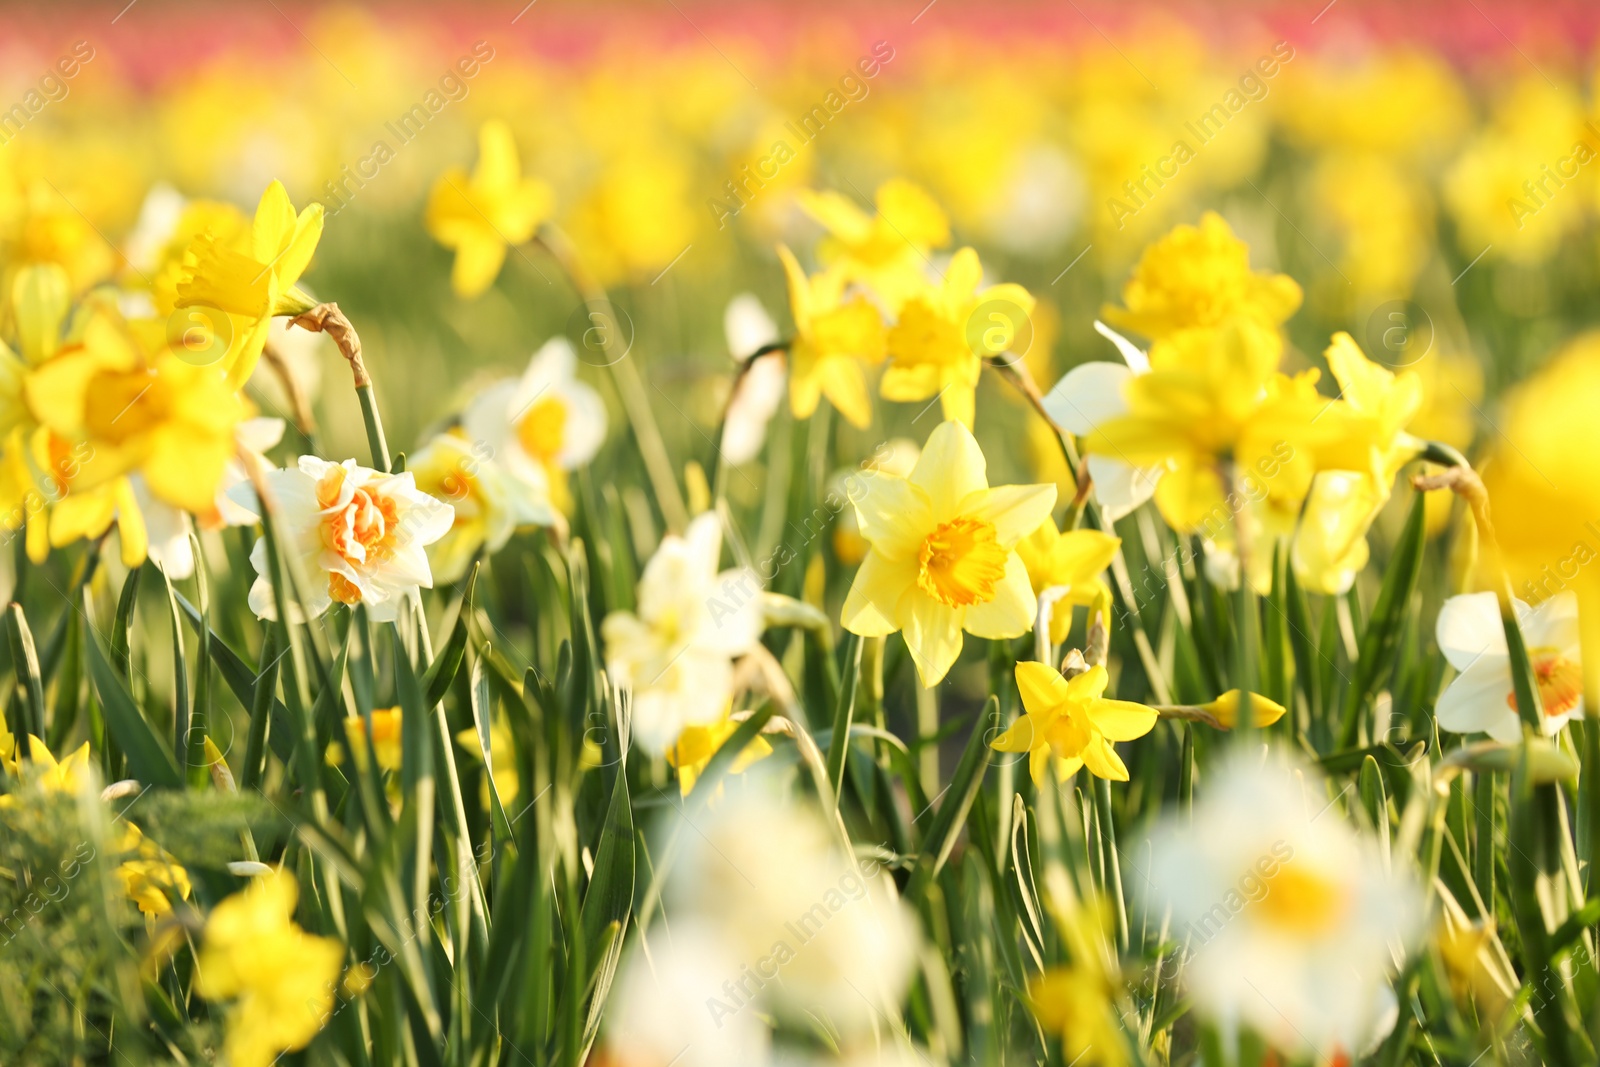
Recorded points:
(1121, 720)
(1042, 687)
(498, 167)
(1014, 510)
(932, 634)
(872, 608)
(950, 469)
(846, 387)
(478, 262)
(1103, 761)
(912, 214)
(1011, 611)
(1020, 736)
(274, 223)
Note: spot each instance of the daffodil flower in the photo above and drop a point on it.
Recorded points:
(1200, 277)
(676, 653)
(490, 504)
(279, 978)
(364, 533)
(484, 215)
(1090, 394)
(382, 741)
(153, 877)
(1072, 562)
(691, 753)
(254, 285)
(1069, 724)
(835, 339)
(937, 347)
(760, 389)
(541, 425)
(943, 556)
(888, 252)
(1481, 696)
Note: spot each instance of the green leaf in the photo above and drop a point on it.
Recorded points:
(952, 814)
(441, 674)
(1388, 614)
(609, 898)
(26, 658)
(839, 743)
(147, 760)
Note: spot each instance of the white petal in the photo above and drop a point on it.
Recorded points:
(585, 428)
(747, 325)
(1476, 701)
(1553, 624)
(1137, 361)
(1469, 627)
(1089, 395)
(1120, 487)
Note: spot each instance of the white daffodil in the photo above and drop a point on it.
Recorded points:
(677, 652)
(1293, 920)
(489, 503)
(360, 536)
(545, 423)
(1090, 394)
(659, 1007)
(761, 389)
(1473, 639)
(817, 935)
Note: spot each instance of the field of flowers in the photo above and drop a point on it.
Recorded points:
(712, 535)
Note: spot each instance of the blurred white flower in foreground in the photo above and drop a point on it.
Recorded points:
(1090, 394)
(761, 389)
(542, 424)
(1473, 639)
(1293, 922)
(676, 654)
(360, 536)
(770, 922)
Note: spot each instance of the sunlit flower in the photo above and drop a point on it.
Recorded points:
(887, 252)
(503, 756)
(1079, 1001)
(676, 653)
(1291, 918)
(1200, 277)
(896, 456)
(943, 556)
(1225, 709)
(1069, 724)
(760, 391)
(383, 740)
(482, 216)
(1072, 562)
(1473, 640)
(360, 536)
(279, 978)
(944, 333)
(256, 285)
(67, 775)
(152, 878)
(835, 340)
(541, 425)
(489, 503)
(692, 751)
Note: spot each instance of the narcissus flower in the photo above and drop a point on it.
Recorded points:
(489, 502)
(1200, 277)
(945, 332)
(1225, 709)
(692, 751)
(360, 536)
(67, 775)
(482, 216)
(888, 253)
(541, 425)
(383, 741)
(1069, 723)
(1293, 920)
(835, 340)
(1073, 561)
(676, 653)
(943, 555)
(257, 285)
(153, 878)
(1481, 698)
(760, 391)
(279, 978)
(1079, 1002)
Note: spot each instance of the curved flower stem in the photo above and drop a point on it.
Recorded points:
(718, 474)
(299, 405)
(328, 319)
(630, 387)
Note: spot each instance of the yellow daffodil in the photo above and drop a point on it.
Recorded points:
(482, 216)
(258, 284)
(65, 776)
(1073, 561)
(943, 556)
(10, 752)
(1076, 1004)
(1215, 397)
(153, 877)
(384, 740)
(937, 347)
(502, 753)
(897, 456)
(279, 978)
(1330, 546)
(1069, 724)
(1200, 277)
(887, 252)
(835, 339)
(692, 752)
